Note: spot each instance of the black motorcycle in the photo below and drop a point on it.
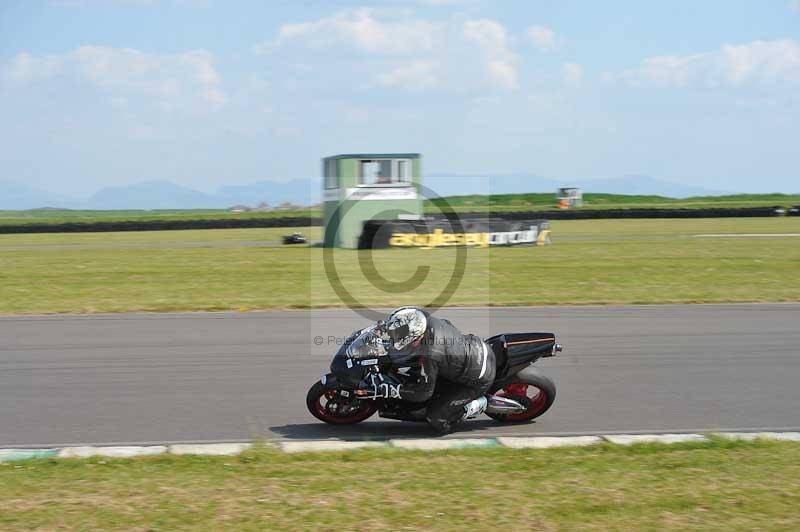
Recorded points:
(519, 393)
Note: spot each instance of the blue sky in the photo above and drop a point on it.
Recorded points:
(208, 93)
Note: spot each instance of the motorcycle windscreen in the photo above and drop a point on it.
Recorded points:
(368, 345)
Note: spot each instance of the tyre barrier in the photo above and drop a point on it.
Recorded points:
(307, 221)
(161, 225)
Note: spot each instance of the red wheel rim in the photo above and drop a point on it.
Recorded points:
(534, 396)
(364, 410)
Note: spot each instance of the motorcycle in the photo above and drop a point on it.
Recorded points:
(520, 392)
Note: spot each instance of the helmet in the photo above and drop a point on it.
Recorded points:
(405, 325)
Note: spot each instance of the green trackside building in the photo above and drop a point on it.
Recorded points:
(366, 186)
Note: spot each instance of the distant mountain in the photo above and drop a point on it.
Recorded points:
(297, 191)
(455, 184)
(15, 195)
(445, 184)
(151, 195)
(646, 186)
(168, 195)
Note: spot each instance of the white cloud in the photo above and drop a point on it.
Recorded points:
(502, 74)
(543, 38)
(450, 53)
(493, 40)
(124, 71)
(419, 74)
(794, 5)
(491, 36)
(361, 28)
(757, 62)
(26, 69)
(215, 97)
(572, 74)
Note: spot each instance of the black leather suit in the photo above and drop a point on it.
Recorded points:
(448, 367)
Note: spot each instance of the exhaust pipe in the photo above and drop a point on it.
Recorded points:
(503, 405)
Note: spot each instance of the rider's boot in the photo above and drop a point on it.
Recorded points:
(475, 408)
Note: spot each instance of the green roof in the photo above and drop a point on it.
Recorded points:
(375, 156)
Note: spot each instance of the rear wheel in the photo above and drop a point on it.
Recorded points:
(533, 390)
(337, 406)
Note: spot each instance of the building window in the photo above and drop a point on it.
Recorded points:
(403, 171)
(384, 171)
(331, 177)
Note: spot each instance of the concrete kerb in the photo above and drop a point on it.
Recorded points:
(328, 445)
(433, 444)
(26, 454)
(546, 442)
(128, 451)
(426, 444)
(210, 449)
(781, 436)
(629, 439)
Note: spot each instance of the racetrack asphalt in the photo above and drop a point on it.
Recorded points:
(146, 378)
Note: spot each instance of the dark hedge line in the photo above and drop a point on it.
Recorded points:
(160, 225)
(628, 213)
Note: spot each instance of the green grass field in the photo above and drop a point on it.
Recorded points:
(719, 485)
(589, 262)
(546, 201)
(472, 203)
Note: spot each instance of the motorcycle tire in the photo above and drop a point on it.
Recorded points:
(537, 405)
(322, 411)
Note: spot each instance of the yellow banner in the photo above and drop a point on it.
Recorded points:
(438, 238)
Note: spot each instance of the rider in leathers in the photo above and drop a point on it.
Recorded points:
(433, 359)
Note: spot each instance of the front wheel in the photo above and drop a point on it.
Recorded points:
(532, 389)
(337, 406)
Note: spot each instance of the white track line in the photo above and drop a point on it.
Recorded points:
(744, 235)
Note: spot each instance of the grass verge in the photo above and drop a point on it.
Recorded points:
(715, 485)
(589, 262)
